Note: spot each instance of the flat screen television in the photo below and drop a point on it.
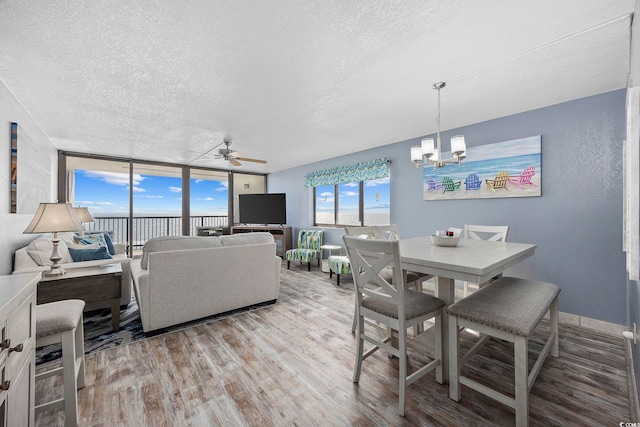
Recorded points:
(263, 208)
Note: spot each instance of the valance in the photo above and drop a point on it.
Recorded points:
(372, 169)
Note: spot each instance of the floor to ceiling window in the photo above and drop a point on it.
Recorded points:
(139, 200)
(157, 202)
(209, 202)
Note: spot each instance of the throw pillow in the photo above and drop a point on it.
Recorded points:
(81, 246)
(107, 238)
(89, 254)
(40, 251)
(99, 238)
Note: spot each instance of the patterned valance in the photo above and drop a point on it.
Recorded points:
(373, 169)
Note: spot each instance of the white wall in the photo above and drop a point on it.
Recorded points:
(37, 165)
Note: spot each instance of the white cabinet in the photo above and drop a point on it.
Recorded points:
(17, 349)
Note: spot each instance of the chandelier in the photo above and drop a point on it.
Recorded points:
(429, 152)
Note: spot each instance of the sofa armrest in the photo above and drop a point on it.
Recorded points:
(120, 248)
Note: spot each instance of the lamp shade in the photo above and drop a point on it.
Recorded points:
(416, 153)
(54, 217)
(458, 145)
(428, 146)
(83, 214)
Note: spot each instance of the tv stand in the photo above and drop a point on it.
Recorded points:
(281, 235)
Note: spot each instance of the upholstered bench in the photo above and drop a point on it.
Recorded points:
(509, 309)
(339, 264)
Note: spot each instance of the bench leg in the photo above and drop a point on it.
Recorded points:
(454, 358)
(553, 326)
(521, 362)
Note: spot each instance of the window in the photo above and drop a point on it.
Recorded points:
(137, 200)
(377, 202)
(325, 197)
(356, 194)
(356, 203)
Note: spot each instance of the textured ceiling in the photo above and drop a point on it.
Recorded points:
(296, 81)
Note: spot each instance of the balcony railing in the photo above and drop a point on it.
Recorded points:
(146, 227)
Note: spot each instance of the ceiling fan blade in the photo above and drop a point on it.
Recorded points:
(234, 162)
(247, 159)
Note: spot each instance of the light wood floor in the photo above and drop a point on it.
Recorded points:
(291, 364)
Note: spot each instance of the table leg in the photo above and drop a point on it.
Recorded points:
(115, 314)
(445, 290)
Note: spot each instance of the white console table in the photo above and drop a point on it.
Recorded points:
(17, 349)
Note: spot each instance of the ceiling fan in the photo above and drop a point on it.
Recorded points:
(233, 156)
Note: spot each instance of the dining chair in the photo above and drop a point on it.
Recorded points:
(494, 233)
(394, 306)
(365, 232)
(390, 232)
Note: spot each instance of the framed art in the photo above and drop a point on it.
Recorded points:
(14, 168)
(502, 169)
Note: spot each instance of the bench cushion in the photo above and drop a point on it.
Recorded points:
(511, 304)
(57, 317)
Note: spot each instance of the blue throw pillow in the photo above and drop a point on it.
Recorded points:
(89, 254)
(103, 239)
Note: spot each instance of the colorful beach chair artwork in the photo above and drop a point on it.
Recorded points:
(472, 182)
(524, 178)
(500, 181)
(449, 185)
(433, 185)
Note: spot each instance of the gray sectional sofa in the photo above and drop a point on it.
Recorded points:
(183, 278)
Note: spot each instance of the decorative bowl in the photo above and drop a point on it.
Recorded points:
(445, 240)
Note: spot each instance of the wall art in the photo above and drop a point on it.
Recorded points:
(502, 169)
(14, 168)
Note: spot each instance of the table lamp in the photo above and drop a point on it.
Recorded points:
(83, 215)
(52, 218)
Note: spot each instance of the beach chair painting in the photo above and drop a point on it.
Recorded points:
(524, 178)
(449, 186)
(472, 182)
(506, 169)
(500, 181)
(432, 185)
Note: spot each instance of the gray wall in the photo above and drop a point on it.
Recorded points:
(576, 224)
(36, 175)
(633, 295)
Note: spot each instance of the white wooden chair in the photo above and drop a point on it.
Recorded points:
(394, 306)
(494, 233)
(390, 232)
(386, 232)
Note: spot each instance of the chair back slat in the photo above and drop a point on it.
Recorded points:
(368, 258)
(386, 232)
(495, 233)
(361, 232)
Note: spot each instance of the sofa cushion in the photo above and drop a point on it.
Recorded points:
(246, 239)
(100, 252)
(176, 243)
(40, 251)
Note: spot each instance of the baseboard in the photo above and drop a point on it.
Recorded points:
(589, 323)
(632, 389)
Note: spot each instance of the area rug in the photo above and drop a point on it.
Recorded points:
(99, 335)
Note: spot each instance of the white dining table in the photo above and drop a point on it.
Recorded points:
(472, 261)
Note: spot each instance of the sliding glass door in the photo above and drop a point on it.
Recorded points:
(136, 201)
